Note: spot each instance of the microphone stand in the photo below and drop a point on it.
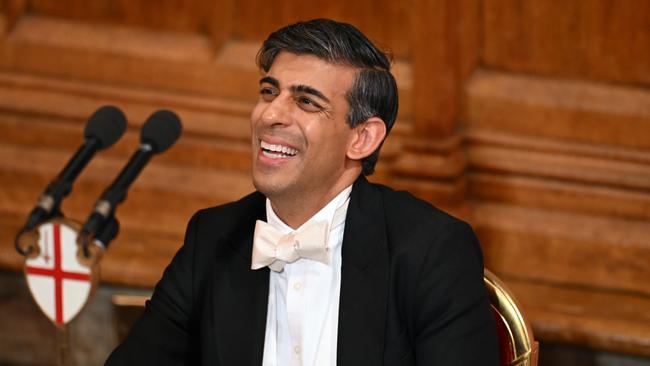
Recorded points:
(63, 356)
(92, 247)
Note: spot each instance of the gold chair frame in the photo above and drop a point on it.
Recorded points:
(525, 349)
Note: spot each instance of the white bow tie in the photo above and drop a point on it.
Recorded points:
(274, 249)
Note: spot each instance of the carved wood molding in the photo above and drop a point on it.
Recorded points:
(564, 110)
(608, 320)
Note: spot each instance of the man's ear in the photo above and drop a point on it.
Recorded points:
(366, 138)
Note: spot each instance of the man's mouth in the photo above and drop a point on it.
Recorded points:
(276, 151)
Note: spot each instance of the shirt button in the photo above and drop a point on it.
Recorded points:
(297, 286)
(296, 349)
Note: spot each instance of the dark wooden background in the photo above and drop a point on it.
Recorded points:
(530, 119)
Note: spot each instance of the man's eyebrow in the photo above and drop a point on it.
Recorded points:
(309, 90)
(270, 80)
(296, 88)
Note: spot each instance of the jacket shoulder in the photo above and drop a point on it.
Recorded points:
(403, 210)
(416, 228)
(230, 216)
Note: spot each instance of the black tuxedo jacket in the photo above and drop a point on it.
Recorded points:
(412, 290)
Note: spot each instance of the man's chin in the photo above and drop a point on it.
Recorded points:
(268, 185)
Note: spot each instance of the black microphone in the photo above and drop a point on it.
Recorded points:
(104, 127)
(159, 133)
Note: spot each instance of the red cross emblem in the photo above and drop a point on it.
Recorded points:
(60, 284)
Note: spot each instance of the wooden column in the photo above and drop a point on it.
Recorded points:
(435, 67)
(217, 17)
(10, 12)
(443, 55)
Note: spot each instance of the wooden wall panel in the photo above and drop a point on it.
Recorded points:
(593, 39)
(435, 113)
(10, 12)
(384, 21)
(171, 15)
(565, 249)
(127, 55)
(211, 18)
(613, 321)
(560, 195)
(564, 110)
(556, 125)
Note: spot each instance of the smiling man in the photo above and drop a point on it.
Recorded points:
(319, 266)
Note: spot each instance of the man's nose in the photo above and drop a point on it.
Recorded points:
(277, 112)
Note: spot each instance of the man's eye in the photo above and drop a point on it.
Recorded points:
(308, 104)
(268, 94)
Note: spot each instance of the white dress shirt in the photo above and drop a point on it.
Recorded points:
(303, 308)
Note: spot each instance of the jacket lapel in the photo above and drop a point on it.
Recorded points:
(364, 279)
(240, 296)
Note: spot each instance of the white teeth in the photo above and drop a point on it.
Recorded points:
(273, 155)
(280, 149)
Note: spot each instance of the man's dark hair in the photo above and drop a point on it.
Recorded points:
(374, 91)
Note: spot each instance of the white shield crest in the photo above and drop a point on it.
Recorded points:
(59, 283)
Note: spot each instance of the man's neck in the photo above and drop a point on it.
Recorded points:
(296, 210)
